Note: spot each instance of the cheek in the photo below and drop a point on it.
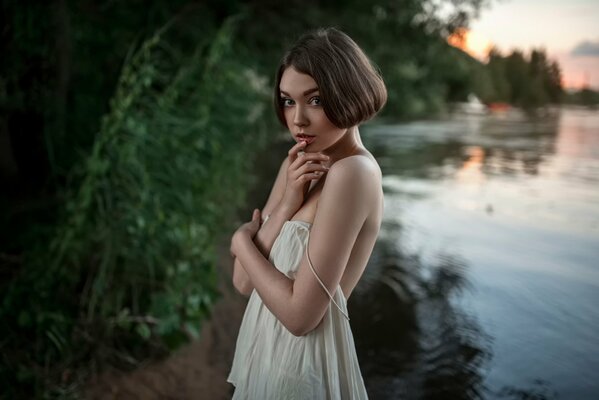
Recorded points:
(330, 127)
(334, 132)
(325, 122)
(288, 114)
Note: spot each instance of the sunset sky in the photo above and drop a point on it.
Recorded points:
(568, 30)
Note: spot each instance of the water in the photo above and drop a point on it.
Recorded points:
(485, 280)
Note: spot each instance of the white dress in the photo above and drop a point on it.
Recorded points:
(270, 363)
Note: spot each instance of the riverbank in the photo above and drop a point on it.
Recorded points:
(199, 369)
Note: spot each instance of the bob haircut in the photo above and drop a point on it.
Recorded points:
(352, 90)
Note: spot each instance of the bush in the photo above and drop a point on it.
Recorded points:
(130, 271)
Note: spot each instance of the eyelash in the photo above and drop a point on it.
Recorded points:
(285, 100)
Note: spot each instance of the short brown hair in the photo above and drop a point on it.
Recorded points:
(352, 90)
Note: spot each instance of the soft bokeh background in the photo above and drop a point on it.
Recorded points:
(134, 137)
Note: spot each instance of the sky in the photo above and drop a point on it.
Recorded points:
(567, 29)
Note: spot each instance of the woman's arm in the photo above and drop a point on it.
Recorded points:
(263, 242)
(266, 235)
(351, 187)
(293, 180)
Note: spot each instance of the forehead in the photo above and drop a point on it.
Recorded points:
(296, 83)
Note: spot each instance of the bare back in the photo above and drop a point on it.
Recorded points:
(365, 240)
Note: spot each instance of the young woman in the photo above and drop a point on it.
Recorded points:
(322, 217)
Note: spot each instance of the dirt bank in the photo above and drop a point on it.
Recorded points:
(198, 370)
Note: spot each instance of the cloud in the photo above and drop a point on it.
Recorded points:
(586, 48)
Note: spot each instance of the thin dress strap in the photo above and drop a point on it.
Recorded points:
(265, 219)
(322, 284)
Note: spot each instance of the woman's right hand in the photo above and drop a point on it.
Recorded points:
(303, 169)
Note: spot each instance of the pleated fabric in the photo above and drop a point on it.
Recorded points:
(270, 363)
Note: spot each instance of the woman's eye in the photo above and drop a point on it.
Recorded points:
(315, 101)
(286, 102)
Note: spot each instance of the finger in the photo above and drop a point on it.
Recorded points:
(312, 167)
(293, 152)
(256, 215)
(298, 170)
(300, 179)
(309, 177)
(308, 158)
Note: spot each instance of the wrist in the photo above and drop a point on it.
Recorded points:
(239, 238)
(282, 211)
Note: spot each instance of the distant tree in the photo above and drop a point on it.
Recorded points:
(553, 82)
(497, 70)
(528, 82)
(588, 97)
(516, 70)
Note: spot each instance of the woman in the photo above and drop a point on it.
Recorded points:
(321, 222)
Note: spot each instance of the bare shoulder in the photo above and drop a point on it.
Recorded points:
(359, 168)
(357, 179)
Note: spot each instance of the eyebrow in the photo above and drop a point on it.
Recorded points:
(307, 92)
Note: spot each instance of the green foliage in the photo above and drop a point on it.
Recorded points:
(131, 268)
(112, 258)
(405, 39)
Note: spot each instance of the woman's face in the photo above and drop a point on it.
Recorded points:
(304, 114)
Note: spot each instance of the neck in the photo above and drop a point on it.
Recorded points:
(348, 145)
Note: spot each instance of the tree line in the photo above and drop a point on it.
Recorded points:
(525, 81)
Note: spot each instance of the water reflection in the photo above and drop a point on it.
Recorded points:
(538, 390)
(411, 340)
(482, 282)
(436, 149)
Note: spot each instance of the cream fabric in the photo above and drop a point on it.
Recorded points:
(270, 363)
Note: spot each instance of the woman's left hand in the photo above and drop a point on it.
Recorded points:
(247, 230)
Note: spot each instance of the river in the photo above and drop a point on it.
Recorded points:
(484, 282)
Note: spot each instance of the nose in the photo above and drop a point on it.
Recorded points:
(300, 118)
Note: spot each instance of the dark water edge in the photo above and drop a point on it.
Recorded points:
(484, 279)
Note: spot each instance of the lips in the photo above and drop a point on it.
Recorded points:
(306, 138)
